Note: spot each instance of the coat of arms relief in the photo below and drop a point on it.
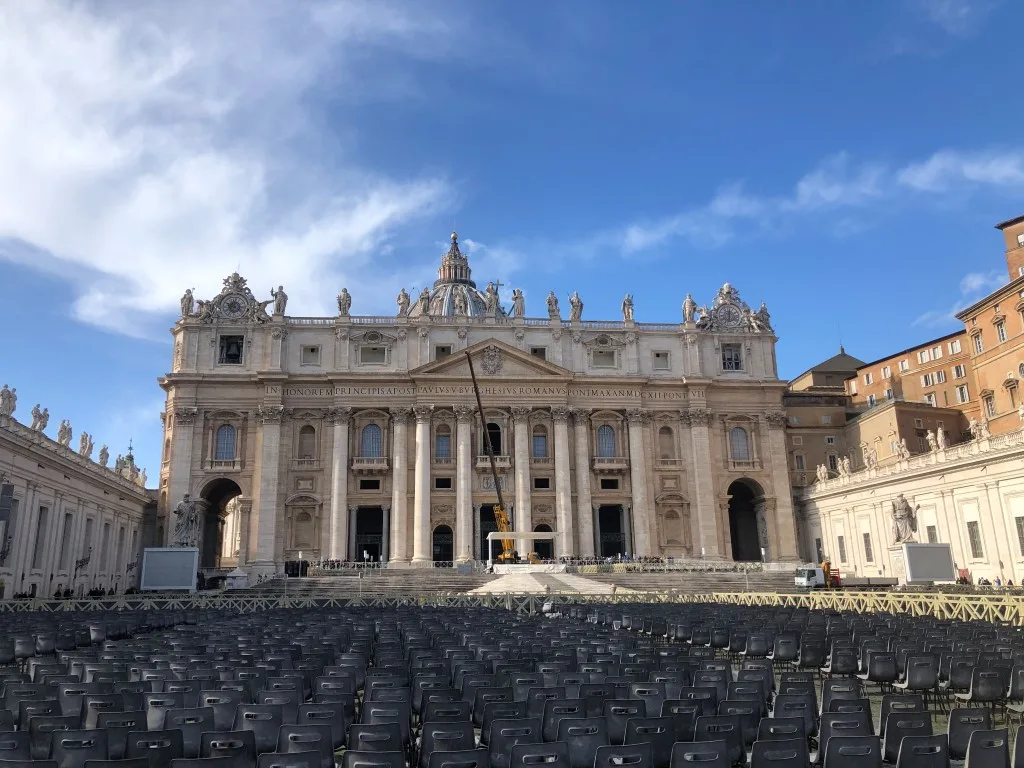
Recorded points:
(491, 361)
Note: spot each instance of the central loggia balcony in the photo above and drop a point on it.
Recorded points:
(501, 462)
(610, 464)
(370, 465)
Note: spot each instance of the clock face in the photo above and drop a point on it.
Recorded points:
(729, 315)
(233, 305)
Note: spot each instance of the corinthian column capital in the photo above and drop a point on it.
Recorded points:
(560, 414)
(339, 415)
(464, 413)
(521, 412)
(423, 412)
(637, 416)
(580, 416)
(400, 414)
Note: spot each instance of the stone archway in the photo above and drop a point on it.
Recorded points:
(215, 495)
(544, 548)
(443, 546)
(745, 497)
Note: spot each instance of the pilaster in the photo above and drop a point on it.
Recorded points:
(782, 522)
(464, 547)
(703, 479)
(524, 504)
(338, 523)
(584, 499)
(565, 545)
(267, 489)
(182, 436)
(641, 508)
(400, 484)
(421, 552)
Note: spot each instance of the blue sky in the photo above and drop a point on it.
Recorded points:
(844, 162)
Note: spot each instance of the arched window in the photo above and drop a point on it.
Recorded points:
(606, 442)
(540, 442)
(443, 442)
(739, 444)
(224, 445)
(370, 442)
(494, 436)
(666, 443)
(307, 442)
(167, 449)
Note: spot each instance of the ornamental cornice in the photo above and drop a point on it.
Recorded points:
(423, 412)
(559, 414)
(341, 333)
(444, 415)
(464, 413)
(269, 414)
(185, 415)
(339, 415)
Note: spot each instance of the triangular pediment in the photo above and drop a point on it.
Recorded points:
(492, 359)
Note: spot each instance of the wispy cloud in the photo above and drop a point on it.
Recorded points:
(147, 150)
(948, 169)
(973, 286)
(959, 18)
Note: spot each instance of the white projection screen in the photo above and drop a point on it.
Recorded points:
(928, 563)
(169, 568)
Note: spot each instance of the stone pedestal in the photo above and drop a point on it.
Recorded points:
(899, 567)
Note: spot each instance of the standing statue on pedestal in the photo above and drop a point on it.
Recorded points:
(762, 321)
(627, 308)
(64, 433)
(403, 303)
(85, 445)
(984, 432)
(188, 304)
(689, 309)
(461, 306)
(491, 299)
(104, 455)
(424, 302)
(553, 312)
(575, 307)
(186, 527)
(903, 450)
(280, 299)
(933, 443)
(344, 303)
(519, 307)
(40, 418)
(8, 401)
(940, 439)
(904, 520)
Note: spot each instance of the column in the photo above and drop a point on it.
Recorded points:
(524, 507)
(353, 554)
(421, 488)
(596, 525)
(781, 521)
(642, 511)
(479, 553)
(400, 484)
(584, 501)
(385, 544)
(565, 544)
(700, 460)
(464, 522)
(265, 501)
(244, 521)
(180, 474)
(338, 549)
(627, 529)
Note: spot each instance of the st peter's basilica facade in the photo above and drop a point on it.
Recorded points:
(358, 438)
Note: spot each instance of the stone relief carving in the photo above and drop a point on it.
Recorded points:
(400, 413)
(278, 333)
(728, 312)
(344, 303)
(521, 412)
(575, 307)
(904, 520)
(637, 416)
(491, 361)
(518, 304)
(64, 433)
(776, 418)
(520, 334)
(464, 413)
(631, 338)
(235, 303)
(698, 417)
(40, 418)
(280, 299)
(559, 414)
(269, 414)
(556, 334)
(341, 334)
(463, 333)
(403, 301)
(423, 412)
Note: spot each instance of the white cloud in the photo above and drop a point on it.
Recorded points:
(947, 169)
(973, 287)
(957, 17)
(148, 150)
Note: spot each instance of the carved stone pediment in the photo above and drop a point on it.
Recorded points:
(375, 338)
(491, 358)
(603, 341)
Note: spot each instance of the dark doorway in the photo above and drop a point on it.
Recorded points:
(743, 522)
(487, 525)
(494, 437)
(443, 546)
(216, 494)
(369, 534)
(543, 547)
(609, 525)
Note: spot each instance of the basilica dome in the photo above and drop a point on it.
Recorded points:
(454, 293)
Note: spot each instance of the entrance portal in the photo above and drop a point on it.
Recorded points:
(543, 548)
(443, 546)
(216, 494)
(746, 544)
(612, 535)
(369, 538)
(487, 525)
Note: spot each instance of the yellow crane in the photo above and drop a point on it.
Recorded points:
(508, 546)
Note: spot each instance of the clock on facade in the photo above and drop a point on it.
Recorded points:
(729, 315)
(233, 305)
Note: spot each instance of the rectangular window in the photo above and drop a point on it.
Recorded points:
(886, 372)
(919, 423)
(373, 355)
(65, 542)
(541, 483)
(842, 549)
(833, 462)
(442, 351)
(540, 446)
(930, 398)
(798, 440)
(732, 357)
(230, 350)
(541, 352)
(936, 353)
(990, 406)
(979, 345)
(954, 347)
(794, 419)
(932, 533)
(1020, 534)
(442, 446)
(799, 461)
(609, 484)
(1001, 331)
(442, 483)
(974, 535)
(962, 394)
(603, 358)
(830, 440)
(661, 361)
(922, 356)
(869, 555)
(904, 365)
(40, 546)
(853, 386)
(310, 356)
(868, 379)
(369, 485)
(959, 371)
(940, 377)
(826, 419)
(889, 394)
(928, 380)
(872, 400)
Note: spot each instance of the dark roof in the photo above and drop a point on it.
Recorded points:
(840, 363)
(1009, 222)
(891, 355)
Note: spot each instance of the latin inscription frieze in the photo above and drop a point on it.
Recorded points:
(487, 390)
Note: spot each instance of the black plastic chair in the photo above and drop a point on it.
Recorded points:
(556, 710)
(71, 749)
(900, 725)
(659, 732)
(924, 752)
(239, 745)
(988, 749)
(41, 729)
(469, 758)
(961, 724)
(300, 739)
(552, 755)
(781, 729)
(791, 753)
(725, 728)
(264, 720)
(15, 745)
(135, 762)
(378, 737)
(354, 758)
(445, 737)
(506, 734)
(332, 715)
(706, 754)
(192, 723)
(292, 760)
(584, 736)
(853, 752)
(159, 747)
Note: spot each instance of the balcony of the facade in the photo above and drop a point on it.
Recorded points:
(500, 462)
(443, 462)
(370, 465)
(610, 464)
(223, 465)
(541, 461)
(306, 464)
(664, 463)
(745, 466)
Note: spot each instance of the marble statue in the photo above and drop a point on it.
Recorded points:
(119, 463)
(553, 312)
(491, 299)
(983, 431)
(280, 299)
(1020, 411)
(141, 480)
(933, 444)
(575, 307)
(822, 473)
(866, 456)
(424, 302)
(519, 310)
(845, 463)
(973, 426)
(36, 416)
(403, 303)
(627, 308)
(8, 401)
(188, 303)
(689, 309)
(104, 455)
(940, 439)
(186, 527)
(64, 433)
(461, 307)
(344, 303)
(903, 450)
(904, 520)
(762, 321)
(85, 445)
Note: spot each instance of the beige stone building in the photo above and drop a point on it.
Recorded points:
(828, 376)
(353, 437)
(66, 520)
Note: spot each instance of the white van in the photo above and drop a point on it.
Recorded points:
(810, 577)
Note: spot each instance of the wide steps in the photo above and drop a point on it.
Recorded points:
(700, 582)
(411, 581)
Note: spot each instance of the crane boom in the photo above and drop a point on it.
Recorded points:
(508, 546)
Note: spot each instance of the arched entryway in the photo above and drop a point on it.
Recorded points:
(369, 535)
(611, 531)
(443, 546)
(216, 494)
(744, 497)
(543, 547)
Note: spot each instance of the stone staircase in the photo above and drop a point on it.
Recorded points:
(700, 582)
(377, 583)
